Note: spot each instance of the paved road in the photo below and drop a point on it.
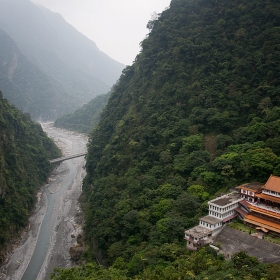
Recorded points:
(233, 241)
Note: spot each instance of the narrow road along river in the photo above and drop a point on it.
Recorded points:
(46, 245)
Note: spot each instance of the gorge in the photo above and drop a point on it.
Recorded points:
(46, 244)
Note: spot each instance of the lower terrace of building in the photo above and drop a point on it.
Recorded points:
(266, 202)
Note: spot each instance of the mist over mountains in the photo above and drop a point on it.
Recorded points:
(71, 68)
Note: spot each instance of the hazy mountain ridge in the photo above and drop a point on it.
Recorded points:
(85, 118)
(77, 70)
(91, 60)
(25, 85)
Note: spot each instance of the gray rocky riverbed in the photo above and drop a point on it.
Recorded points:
(53, 224)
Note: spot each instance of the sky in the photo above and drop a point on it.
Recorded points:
(116, 26)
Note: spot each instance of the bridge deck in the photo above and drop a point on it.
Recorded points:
(66, 158)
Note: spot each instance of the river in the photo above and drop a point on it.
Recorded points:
(54, 220)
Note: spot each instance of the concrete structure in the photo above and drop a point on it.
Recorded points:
(221, 211)
(197, 237)
(233, 241)
(248, 191)
(263, 209)
(258, 205)
(57, 160)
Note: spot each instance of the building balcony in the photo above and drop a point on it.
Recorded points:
(264, 207)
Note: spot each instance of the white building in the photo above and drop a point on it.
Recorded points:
(221, 211)
(256, 204)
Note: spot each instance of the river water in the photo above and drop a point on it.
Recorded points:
(54, 221)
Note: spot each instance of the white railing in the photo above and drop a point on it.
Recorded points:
(275, 194)
(265, 207)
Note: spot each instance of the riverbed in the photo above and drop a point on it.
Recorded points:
(53, 224)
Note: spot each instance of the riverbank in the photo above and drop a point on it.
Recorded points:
(53, 221)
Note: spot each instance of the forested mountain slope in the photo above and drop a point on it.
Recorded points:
(25, 151)
(76, 68)
(28, 88)
(197, 113)
(84, 119)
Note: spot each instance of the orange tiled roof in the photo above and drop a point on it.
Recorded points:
(262, 223)
(268, 197)
(273, 184)
(241, 212)
(266, 212)
(244, 203)
(247, 189)
(253, 187)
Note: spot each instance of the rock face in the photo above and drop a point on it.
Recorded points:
(3, 256)
(76, 252)
(80, 240)
(46, 61)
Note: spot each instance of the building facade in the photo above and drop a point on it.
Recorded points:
(264, 211)
(220, 212)
(258, 205)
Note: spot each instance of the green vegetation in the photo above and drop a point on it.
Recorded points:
(25, 151)
(84, 119)
(240, 226)
(272, 239)
(196, 114)
(200, 265)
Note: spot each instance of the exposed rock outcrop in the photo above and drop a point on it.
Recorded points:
(76, 252)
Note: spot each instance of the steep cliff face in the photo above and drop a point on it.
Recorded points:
(25, 151)
(197, 113)
(71, 69)
(26, 86)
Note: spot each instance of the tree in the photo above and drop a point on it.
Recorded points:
(199, 192)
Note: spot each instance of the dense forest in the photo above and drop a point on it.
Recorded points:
(25, 151)
(197, 113)
(201, 265)
(84, 119)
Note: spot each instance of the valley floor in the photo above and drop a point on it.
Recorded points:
(52, 224)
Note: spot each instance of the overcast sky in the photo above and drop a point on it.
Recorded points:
(116, 26)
